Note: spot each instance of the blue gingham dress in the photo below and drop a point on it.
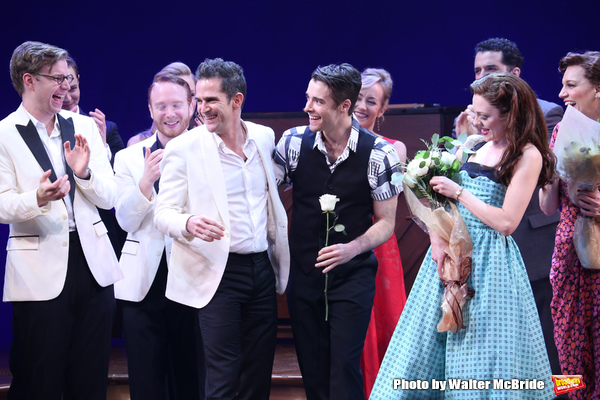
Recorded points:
(503, 338)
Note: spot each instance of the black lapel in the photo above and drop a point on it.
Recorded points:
(67, 131)
(32, 140)
(157, 145)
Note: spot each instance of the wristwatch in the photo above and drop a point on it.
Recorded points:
(458, 192)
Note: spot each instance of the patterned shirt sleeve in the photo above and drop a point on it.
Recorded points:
(383, 162)
(287, 153)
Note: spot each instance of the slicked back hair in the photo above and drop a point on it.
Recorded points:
(343, 80)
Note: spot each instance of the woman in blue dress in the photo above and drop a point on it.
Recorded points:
(501, 353)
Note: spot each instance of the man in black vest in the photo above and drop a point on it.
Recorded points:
(335, 156)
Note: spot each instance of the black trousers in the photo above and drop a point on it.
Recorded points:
(61, 347)
(162, 341)
(542, 294)
(329, 351)
(239, 330)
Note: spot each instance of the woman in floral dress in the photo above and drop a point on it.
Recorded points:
(576, 300)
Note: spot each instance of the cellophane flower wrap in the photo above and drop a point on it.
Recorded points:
(433, 211)
(577, 149)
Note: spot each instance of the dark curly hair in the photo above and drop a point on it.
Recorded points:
(511, 55)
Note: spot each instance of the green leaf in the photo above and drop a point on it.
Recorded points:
(339, 228)
(435, 139)
(462, 138)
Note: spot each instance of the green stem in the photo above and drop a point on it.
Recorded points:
(327, 273)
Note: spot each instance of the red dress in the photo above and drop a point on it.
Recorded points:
(390, 297)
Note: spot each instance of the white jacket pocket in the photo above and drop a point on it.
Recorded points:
(130, 247)
(100, 228)
(28, 242)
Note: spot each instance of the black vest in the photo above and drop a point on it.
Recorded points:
(349, 182)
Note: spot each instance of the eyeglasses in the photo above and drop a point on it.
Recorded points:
(58, 78)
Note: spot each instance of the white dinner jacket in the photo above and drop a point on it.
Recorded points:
(38, 242)
(145, 244)
(191, 184)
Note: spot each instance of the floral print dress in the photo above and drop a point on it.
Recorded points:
(575, 303)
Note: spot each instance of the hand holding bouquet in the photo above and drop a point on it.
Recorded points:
(577, 149)
(435, 213)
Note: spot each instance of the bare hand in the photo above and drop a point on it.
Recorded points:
(205, 228)
(151, 171)
(444, 186)
(47, 191)
(337, 254)
(464, 122)
(100, 119)
(589, 202)
(438, 251)
(78, 158)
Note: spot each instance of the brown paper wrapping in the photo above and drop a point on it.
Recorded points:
(457, 264)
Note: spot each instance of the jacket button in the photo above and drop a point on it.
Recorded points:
(64, 216)
(65, 244)
(330, 187)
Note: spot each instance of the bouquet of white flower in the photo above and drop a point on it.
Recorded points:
(577, 149)
(433, 211)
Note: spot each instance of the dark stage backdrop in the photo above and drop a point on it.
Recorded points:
(426, 45)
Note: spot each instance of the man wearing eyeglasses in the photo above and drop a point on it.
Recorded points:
(60, 265)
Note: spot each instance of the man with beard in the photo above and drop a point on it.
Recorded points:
(159, 333)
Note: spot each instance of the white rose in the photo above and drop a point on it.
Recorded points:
(415, 170)
(448, 158)
(328, 202)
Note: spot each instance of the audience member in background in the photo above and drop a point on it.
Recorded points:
(181, 70)
(60, 266)
(576, 301)
(390, 294)
(159, 333)
(535, 233)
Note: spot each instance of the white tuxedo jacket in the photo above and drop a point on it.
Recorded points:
(144, 246)
(38, 243)
(191, 184)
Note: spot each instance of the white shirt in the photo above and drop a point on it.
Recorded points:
(246, 185)
(54, 148)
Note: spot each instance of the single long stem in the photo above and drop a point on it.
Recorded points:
(326, 273)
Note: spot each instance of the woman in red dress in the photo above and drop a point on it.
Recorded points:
(390, 294)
